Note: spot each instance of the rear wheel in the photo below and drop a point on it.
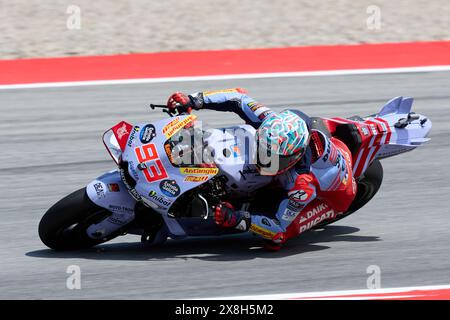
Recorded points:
(367, 188)
(64, 225)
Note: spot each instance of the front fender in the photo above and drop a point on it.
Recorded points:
(109, 192)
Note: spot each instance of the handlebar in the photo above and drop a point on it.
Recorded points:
(153, 106)
(165, 109)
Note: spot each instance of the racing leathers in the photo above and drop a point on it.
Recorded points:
(322, 177)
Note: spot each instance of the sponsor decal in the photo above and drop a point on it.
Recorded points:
(136, 196)
(154, 170)
(121, 214)
(236, 151)
(374, 129)
(120, 208)
(264, 115)
(337, 161)
(326, 153)
(176, 125)
(327, 215)
(202, 171)
(147, 134)
(266, 222)
(365, 131)
(298, 196)
(261, 110)
(289, 215)
(313, 212)
(113, 187)
(383, 126)
(170, 188)
(315, 216)
(295, 206)
(116, 221)
(196, 178)
(132, 168)
(121, 131)
(254, 106)
(261, 231)
(248, 170)
(159, 199)
(132, 136)
(99, 189)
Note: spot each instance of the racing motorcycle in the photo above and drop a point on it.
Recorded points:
(153, 194)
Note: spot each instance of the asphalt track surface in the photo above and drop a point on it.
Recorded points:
(51, 145)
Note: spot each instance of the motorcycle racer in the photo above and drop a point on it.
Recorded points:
(309, 164)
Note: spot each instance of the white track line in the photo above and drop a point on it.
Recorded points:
(362, 294)
(226, 77)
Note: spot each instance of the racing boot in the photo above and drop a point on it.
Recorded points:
(276, 243)
(227, 217)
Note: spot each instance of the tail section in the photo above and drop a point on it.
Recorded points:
(393, 130)
(408, 129)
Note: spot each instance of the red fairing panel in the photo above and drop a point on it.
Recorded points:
(122, 131)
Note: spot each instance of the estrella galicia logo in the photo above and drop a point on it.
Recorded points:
(170, 188)
(147, 134)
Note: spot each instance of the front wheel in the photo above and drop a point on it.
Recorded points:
(64, 225)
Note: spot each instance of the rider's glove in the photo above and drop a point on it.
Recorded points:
(183, 103)
(227, 217)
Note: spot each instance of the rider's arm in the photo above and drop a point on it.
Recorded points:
(232, 100)
(299, 196)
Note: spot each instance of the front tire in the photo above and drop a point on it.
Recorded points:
(63, 226)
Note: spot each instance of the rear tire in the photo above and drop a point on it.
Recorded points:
(367, 188)
(63, 226)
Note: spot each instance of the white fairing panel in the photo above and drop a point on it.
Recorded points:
(402, 139)
(108, 191)
(158, 181)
